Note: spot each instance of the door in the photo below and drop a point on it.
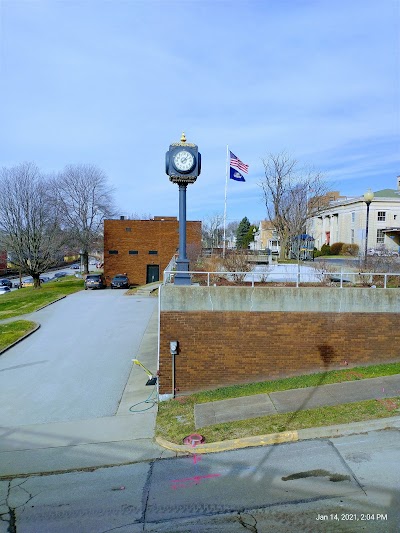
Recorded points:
(153, 273)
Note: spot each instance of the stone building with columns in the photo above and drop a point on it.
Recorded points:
(344, 220)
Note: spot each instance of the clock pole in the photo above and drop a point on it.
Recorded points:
(182, 264)
(183, 166)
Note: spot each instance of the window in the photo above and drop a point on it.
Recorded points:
(133, 252)
(381, 216)
(353, 216)
(153, 252)
(380, 237)
(352, 237)
(113, 252)
(128, 229)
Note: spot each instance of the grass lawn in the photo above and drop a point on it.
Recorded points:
(13, 331)
(27, 300)
(175, 419)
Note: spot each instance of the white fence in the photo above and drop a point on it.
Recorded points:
(297, 274)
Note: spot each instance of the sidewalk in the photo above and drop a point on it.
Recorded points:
(294, 400)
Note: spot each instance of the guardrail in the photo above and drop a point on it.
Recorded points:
(338, 279)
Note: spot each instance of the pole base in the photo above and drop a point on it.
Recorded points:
(182, 277)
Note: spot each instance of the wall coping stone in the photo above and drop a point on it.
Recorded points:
(279, 299)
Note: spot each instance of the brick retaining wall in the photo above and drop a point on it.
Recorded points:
(219, 348)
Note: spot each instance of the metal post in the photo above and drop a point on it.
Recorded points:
(173, 375)
(182, 265)
(368, 197)
(366, 232)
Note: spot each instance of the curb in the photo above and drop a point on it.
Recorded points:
(21, 338)
(326, 432)
(33, 330)
(51, 303)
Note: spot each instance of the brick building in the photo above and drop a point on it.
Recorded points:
(144, 248)
(3, 262)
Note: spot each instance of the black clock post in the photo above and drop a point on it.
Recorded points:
(183, 166)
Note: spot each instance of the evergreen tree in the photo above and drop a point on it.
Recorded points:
(242, 232)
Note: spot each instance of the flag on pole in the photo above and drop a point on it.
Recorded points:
(235, 162)
(236, 175)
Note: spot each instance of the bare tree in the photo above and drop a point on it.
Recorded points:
(29, 222)
(288, 193)
(85, 200)
(212, 231)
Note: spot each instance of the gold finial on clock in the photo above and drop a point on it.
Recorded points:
(183, 138)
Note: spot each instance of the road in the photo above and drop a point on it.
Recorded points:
(346, 484)
(77, 364)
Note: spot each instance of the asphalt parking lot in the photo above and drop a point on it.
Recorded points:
(77, 364)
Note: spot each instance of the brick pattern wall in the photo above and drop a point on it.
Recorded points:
(225, 348)
(3, 260)
(142, 236)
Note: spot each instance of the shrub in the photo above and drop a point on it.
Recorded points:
(336, 248)
(325, 249)
(350, 249)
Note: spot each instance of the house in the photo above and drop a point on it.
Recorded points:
(344, 219)
(144, 248)
(266, 238)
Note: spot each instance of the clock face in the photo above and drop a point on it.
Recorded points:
(183, 161)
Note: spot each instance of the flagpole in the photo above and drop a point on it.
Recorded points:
(226, 189)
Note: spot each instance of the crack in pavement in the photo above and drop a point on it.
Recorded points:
(146, 494)
(11, 520)
(246, 525)
(12, 516)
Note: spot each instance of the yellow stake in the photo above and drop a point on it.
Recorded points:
(137, 362)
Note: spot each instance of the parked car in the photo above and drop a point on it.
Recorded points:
(120, 281)
(75, 266)
(4, 289)
(60, 274)
(44, 279)
(95, 281)
(27, 282)
(5, 283)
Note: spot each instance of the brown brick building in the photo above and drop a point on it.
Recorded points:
(143, 248)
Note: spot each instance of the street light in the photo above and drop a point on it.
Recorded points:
(368, 197)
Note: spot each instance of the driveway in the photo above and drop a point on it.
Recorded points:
(77, 364)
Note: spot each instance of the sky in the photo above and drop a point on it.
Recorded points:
(114, 83)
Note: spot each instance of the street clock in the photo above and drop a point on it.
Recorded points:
(183, 162)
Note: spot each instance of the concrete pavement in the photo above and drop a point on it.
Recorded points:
(294, 400)
(91, 442)
(127, 435)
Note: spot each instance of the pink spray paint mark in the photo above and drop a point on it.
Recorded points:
(188, 482)
(196, 458)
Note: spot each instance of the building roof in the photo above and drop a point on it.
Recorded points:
(267, 224)
(387, 193)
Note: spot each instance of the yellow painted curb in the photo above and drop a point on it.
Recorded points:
(234, 444)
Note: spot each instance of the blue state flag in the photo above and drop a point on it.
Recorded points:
(236, 175)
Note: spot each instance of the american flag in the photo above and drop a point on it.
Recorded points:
(235, 162)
